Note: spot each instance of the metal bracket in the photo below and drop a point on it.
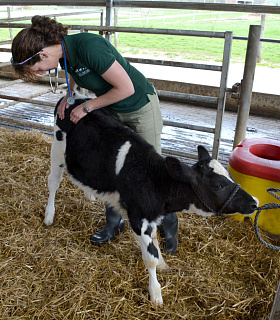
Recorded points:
(236, 89)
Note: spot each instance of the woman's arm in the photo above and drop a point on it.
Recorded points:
(122, 88)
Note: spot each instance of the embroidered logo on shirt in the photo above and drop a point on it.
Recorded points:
(82, 71)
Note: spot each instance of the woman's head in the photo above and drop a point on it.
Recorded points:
(29, 42)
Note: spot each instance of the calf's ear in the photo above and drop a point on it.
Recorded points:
(203, 154)
(179, 170)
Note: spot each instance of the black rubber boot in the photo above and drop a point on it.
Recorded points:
(114, 226)
(170, 233)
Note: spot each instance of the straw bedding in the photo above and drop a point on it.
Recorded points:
(220, 270)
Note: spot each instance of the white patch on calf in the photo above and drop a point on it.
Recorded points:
(78, 95)
(112, 198)
(194, 209)
(58, 148)
(219, 169)
(159, 219)
(123, 151)
(257, 201)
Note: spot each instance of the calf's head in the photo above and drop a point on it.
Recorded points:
(215, 191)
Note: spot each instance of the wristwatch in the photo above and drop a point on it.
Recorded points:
(85, 109)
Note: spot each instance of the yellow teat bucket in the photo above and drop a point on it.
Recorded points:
(255, 165)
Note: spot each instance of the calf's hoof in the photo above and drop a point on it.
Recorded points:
(163, 268)
(48, 221)
(157, 302)
(49, 215)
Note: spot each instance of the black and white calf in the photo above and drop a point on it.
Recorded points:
(109, 160)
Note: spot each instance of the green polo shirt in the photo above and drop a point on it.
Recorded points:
(90, 55)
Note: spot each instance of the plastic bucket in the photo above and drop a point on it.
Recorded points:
(255, 165)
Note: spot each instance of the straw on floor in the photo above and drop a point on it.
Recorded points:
(220, 271)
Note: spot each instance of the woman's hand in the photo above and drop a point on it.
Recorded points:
(64, 105)
(61, 108)
(77, 113)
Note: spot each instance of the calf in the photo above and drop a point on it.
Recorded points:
(105, 158)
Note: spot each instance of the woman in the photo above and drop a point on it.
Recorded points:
(94, 63)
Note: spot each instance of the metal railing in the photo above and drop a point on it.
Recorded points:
(150, 4)
(219, 101)
(108, 30)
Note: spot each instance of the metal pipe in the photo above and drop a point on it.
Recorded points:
(5, 50)
(247, 83)
(173, 32)
(179, 153)
(198, 6)
(175, 64)
(275, 311)
(185, 97)
(9, 16)
(26, 100)
(263, 18)
(109, 18)
(51, 15)
(188, 126)
(87, 3)
(5, 84)
(6, 42)
(151, 4)
(176, 32)
(222, 95)
(261, 39)
(27, 123)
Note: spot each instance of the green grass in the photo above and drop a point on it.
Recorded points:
(180, 47)
(203, 48)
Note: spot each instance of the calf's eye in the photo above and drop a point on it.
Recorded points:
(218, 186)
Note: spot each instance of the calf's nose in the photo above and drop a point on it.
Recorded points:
(255, 204)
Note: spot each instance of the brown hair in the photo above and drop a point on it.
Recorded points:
(43, 33)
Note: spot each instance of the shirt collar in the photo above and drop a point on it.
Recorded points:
(72, 56)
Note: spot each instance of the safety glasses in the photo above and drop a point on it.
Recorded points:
(23, 62)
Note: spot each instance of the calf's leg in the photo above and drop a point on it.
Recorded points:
(151, 256)
(162, 265)
(55, 177)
